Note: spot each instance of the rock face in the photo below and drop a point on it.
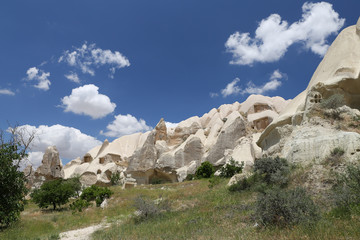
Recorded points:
(304, 130)
(51, 166)
(170, 154)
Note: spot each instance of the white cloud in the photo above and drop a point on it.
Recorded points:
(42, 78)
(213, 95)
(125, 125)
(231, 88)
(73, 77)
(6, 92)
(271, 85)
(70, 142)
(87, 100)
(277, 75)
(171, 125)
(34, 159)
(274, 36)
(87, 57)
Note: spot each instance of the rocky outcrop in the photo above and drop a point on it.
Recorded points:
(305, 130)
(51, 166)
(169, 155)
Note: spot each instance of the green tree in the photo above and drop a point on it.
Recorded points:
(95, 193)
(13, 146)
(56, 193)
(12, 184)
(231, 168)
(206, 170)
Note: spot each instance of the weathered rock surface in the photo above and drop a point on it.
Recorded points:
(304, 130)
(169, 155)
(51, 166)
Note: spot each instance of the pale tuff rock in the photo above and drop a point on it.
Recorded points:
(51, 165)
(169, 155)
(298, 134)
(161, 131)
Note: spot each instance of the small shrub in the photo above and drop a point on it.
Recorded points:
(252, 182)
(97, 194)
(156, 180)
(190, 177)
(346, 192)
(241, 185)
(206, 170)
(273, 170)
(147, 208)
(231, 168)
(333, 102)
(337, 152)
(79, 205)
(279, 207)
(115, 178)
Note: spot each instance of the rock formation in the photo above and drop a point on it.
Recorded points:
(51, 168)
(302, 132)
(169, 155)
(51, 165)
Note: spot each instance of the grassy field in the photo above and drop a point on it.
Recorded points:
(197, 212)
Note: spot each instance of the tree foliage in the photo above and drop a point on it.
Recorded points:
(231, 168)
(206, 170)
(56, 193)
(13, 145)
(12, 184)
(96, 193)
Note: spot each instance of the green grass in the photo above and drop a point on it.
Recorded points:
(198, 212)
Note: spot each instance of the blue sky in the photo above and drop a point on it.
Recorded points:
(79, 72)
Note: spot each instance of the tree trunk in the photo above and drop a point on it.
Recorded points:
(54, 204)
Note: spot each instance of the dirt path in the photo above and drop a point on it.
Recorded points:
(82, 233)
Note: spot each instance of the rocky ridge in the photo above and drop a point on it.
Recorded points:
(170, 154)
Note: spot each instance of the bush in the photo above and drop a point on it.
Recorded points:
(95, 193)
(333, 102)
(254, 181)
(337, 152)
(190, 177)
(346, 191)
(79, 205)
(12, 183)
(273, 170)
(55, 192)
(231, 168)
(282, 208)
(206, 170)
(115, 178)
(147, 208)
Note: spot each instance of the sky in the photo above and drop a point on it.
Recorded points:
(79, 72)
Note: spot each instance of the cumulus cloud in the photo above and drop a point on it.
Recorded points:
(70, 142)
(6, 92)
(171, 125)
(231, 88)
(271, 85)
(87, 57)
(73, 77)
(87, 100)
(125, 125)
(42, 78)
(274, 36)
